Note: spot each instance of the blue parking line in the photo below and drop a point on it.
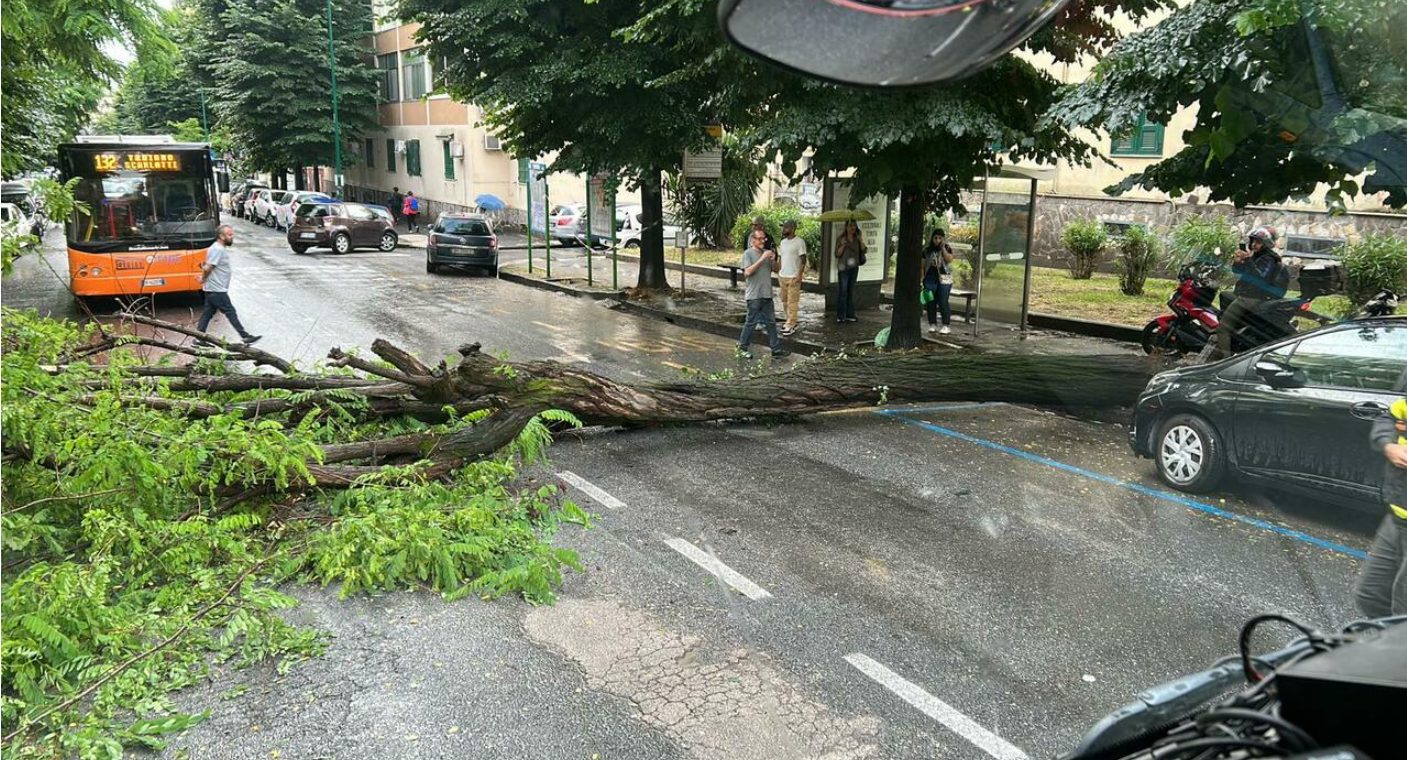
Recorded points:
(1157, 493)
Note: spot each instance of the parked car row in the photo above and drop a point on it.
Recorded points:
(630, 225)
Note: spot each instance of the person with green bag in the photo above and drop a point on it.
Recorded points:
(938, 281)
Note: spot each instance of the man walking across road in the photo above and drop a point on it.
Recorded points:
(793, 254)
(410, 207)
(215, 281)
(757, 265)
(1382, 584)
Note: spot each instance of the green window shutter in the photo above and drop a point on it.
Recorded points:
(449, 159)
(412, 158)
(390, 155)
(1146, 139)
(522, 171)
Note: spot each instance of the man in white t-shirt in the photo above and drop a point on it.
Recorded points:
(793, 255)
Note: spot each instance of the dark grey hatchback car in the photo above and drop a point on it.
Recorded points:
(465, 240)
(1292, 415)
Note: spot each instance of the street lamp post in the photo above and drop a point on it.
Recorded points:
(336, 122)
(204, 122)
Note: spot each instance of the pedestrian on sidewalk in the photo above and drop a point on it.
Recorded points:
(793, 255)
(410, 208)
(759, 224)
(849, 256)
(938, 280)
(1382, 584)
(397, 200)
(215, 276)
(757, 265)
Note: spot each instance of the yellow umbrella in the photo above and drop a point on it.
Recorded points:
(845, 215)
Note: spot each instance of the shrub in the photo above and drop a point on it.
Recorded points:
(807, 228)
(1375, 263)
(1084, 240)
(1139, 253)
(1208, 239)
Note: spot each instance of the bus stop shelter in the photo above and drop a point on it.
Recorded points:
(1002, 262)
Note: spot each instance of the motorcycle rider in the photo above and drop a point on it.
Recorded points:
(1262, 276)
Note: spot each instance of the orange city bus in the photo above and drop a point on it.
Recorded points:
(148, 211)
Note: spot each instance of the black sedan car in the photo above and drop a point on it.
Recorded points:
(1291, 415)
(459, 239)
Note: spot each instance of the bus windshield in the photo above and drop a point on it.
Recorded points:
(132, 199)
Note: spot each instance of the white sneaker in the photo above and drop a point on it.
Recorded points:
(933, 328)
(944, 331)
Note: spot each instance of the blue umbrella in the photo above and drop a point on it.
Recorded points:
(490, 202)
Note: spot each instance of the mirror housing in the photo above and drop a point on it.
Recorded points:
(1278, 375)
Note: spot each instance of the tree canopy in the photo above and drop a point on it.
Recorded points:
(1289, 95)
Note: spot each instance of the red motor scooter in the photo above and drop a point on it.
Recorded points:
(1194, 317)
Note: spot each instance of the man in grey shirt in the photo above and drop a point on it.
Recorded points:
(215, 276)
(757, 266)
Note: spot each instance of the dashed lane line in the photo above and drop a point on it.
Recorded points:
(716, 568)
(590, 489)
(937, 709)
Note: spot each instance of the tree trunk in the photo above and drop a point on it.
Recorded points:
(905, 324)
(652, 270)
(298, 182)
(516, 392)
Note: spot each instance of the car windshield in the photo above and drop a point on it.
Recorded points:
(463, 227)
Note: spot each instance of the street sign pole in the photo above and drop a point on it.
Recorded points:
(530, 221)
(336, 122)
(589, 282)
(204, 122)
(547, 227)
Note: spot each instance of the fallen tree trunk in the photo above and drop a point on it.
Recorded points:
(516, 392)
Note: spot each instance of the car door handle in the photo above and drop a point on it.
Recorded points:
(1369, 410)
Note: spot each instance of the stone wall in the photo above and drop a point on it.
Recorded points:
(1053, 212)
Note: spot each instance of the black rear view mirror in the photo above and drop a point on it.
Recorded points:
(883, 43)
(1279, 375)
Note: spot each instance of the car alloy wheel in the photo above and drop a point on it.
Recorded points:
(1183, 454)
(341, 243)
(388, 241)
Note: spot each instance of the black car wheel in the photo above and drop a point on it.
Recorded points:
(632, 244)
(431, 267)
(299, 249)
(388, 241)
(1189, 454)
(341, 243)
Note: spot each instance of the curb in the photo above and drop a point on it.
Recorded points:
(1087, 327)
(717, 328)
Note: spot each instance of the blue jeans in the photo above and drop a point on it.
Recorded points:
(941, 301)
(845, 306)
(760, 310)
(220, 302)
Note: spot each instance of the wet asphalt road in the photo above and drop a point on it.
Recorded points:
(1017, 569)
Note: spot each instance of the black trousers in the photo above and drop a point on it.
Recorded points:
(220, 302)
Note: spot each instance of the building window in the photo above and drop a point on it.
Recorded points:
(388, 86)
(522, 171)
(369, 152)
(449, 158)
(413, 70)
(1146, 139)
(391, 156)
(412, 157)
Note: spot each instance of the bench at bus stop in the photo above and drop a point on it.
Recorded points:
(968, 296)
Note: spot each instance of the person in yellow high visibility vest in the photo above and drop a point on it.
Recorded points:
(1382, 586)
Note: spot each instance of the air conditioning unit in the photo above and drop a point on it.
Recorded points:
(400, 146)
(491, 142)
(456, 149)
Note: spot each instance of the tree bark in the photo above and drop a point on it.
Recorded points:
(905, 323)
(652, 269)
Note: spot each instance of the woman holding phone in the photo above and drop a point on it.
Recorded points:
(938, 280)
(849, 256)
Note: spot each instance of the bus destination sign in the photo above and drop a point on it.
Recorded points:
(137, 162)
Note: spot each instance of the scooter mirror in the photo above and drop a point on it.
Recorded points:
(883, 43)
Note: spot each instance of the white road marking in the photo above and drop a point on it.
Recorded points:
(937, 709)
(591, 489)
(719, 570)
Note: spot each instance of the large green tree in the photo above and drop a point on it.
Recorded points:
(54, 65)
(157, 91)
(592, 84)
(268, 60)
(1289, 94)
(926, 146)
